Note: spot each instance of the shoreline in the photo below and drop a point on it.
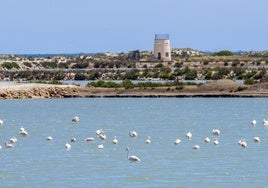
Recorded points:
(215, 89)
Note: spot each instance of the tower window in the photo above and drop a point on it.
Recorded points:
(166, 54)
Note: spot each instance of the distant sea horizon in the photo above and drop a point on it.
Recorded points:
(53, 54)
(26, 55)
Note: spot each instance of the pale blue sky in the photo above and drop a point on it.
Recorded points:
(90, 26)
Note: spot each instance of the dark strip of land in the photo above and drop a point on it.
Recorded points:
(219, 88)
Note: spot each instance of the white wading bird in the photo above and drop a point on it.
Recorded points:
(242, 143)
(89, 139)
(115, 141)
(256, 139)
(207, 140)
(73, 139)
(216, 132)
(23, 132)
(8, 145)
(216, 141)
(265, 123)
(254, 122)
(68, 146)
(133, 134)
(177, 141)
(196, 147)
(75, 119)
(49, 138)
(188, 135)
(132, 158)
(148, 140)
(13, 139)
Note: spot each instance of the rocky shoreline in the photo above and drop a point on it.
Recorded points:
(220, 88)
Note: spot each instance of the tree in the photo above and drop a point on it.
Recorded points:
(159, 65)
(223, 53)
(164, 72)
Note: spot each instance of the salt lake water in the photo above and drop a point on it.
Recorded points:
(36, 162)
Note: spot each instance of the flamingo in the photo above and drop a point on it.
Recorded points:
(207, 140)
(23, 132)
(216, 142)
(89, 139)
(68, 146)
(99, 131)
(115, 141)
(188, 135)
(73, 139)
(13, 140)
(265, 123)
(132, 158)
(49, 138)
(254, 122)
(177, 141)
(256, 139)
(75, 119)
(196, 147)
(242, 143)
(216, 132)
(148, 140)
(9, 145)
(102, 136)
(133, 134)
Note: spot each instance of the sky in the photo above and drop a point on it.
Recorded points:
(92, 26)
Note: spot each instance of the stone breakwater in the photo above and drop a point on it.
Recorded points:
(220, 88)
(29, 90)
(34, 93)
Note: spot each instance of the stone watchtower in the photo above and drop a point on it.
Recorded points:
(162, 47)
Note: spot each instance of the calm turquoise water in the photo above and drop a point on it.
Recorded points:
(35, 162)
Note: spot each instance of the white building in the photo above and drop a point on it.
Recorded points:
(162, 47)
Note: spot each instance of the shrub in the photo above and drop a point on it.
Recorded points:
(241, 88)
(27, 64)
(80, 65)
(49, 65)
(159, 65)
(127, 84)
(206, 62)
(79, 76)
(249, 81)
(10, 65)
(63, 65)
(178, 65)
(224, 53)
(179, 87)
(235, 62)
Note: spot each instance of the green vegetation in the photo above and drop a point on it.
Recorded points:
(10, 65)
(27, 64)
(187, 64)
(49, 65)
(128, 84)
(223, 53)
(249, 81)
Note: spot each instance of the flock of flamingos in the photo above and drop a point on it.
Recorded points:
(132, 158)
